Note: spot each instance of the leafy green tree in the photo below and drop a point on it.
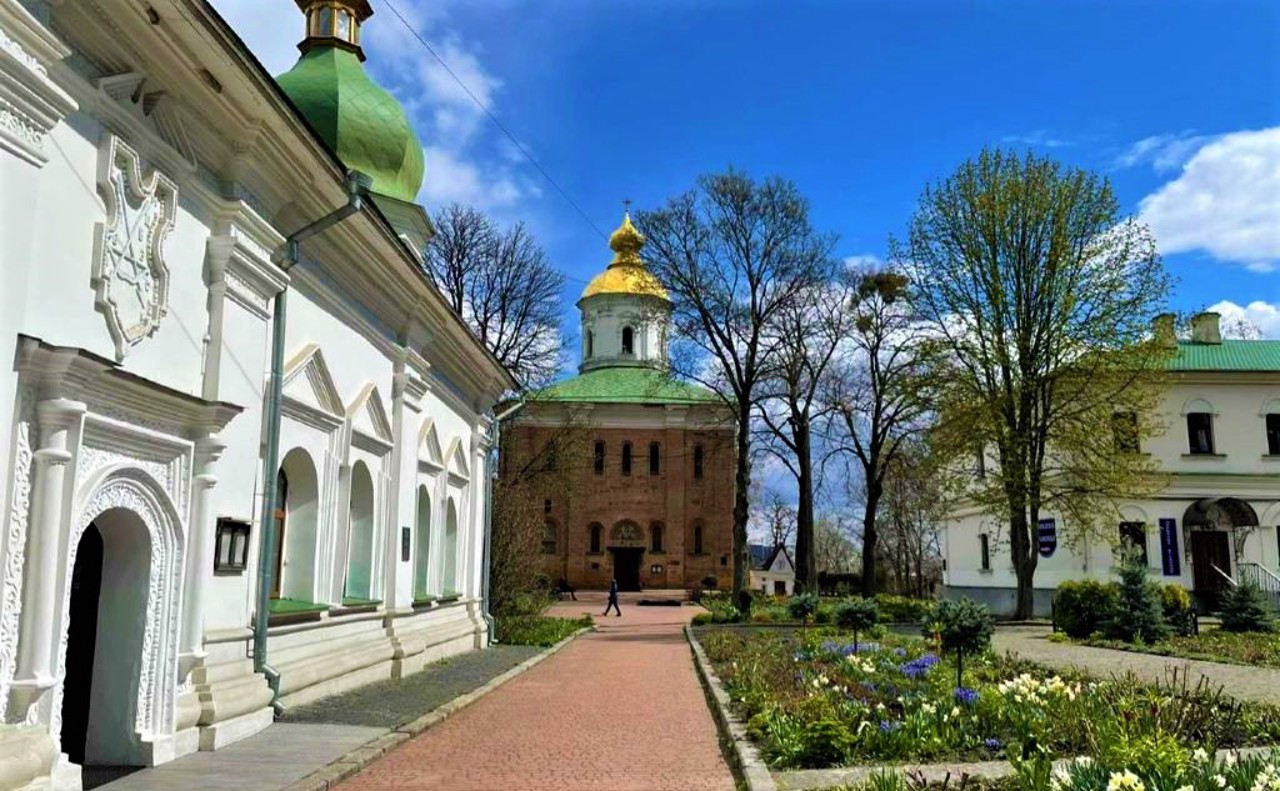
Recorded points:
(1041, 297)
(734, 252)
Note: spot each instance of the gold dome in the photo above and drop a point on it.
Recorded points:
(627, 273)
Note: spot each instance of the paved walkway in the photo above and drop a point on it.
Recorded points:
(618, 709)
(315, 735)
(1239, 681)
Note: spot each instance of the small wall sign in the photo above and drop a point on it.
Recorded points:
(231, 546)
(1170, 560)
(405, 540)
(1048, 535)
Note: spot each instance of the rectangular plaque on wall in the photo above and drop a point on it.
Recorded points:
(1170, 559)
(404, 544)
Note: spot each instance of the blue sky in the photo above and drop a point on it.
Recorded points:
(860, 103)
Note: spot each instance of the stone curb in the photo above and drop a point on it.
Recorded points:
(330, 775)
(746, 762)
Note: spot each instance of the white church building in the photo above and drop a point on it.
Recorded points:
(1215, 523)
(163, 200)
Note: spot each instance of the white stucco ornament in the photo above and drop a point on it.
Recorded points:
(130, 274)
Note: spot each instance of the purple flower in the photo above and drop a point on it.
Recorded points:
(887, 726)
(991, 744)
(901, 652)
(916, 668)
(868, 686)
(966, 696)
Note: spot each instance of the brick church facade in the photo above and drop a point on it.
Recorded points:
(648, 498)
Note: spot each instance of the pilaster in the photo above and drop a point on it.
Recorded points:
(200, 552)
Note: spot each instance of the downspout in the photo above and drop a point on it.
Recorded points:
(495, 434)
(286, 257)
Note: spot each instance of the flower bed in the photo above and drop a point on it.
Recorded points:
(814, 700)
(1211, 645)
(776, 609)
(539, 630)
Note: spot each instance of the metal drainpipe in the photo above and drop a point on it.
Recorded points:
(495, 434)
(287, 257)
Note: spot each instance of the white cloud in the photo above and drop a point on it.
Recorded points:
(1040, 138)
(1263, 315)
(467, 159)
(863, 261)
(1165, 153)
(1226, 201)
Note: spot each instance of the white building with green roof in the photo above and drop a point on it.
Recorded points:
(244, 439)
(1215, 523)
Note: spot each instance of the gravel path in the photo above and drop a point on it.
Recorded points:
(394, 702)
(1239, 681)
(619, 709)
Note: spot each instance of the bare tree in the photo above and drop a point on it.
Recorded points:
(875, 393)
(915, 502)
(503, 286)
(776, 517)
(833, 545)
(1041, 297)
(807, 334)
(734, 252)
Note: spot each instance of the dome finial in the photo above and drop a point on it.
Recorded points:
(626, 243)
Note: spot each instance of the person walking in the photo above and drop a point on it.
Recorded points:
(613, 599)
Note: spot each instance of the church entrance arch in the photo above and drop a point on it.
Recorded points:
(626, 546)
(1217, 529)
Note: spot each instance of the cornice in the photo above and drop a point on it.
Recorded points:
(239, 254)
(31, 104)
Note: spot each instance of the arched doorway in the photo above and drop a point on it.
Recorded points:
(360, 541)
(626, 545)
(296, 527)
(449, 565)
(422, 553)
(1216, 531)
(107, 615)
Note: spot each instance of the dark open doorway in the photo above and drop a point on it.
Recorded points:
(82, 638)
(626, 567)
(1210, 549)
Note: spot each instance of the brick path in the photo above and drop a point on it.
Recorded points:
(1239, 681)
(619, 709)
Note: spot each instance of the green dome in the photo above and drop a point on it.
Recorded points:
(363, 124)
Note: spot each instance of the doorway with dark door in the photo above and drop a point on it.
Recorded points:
(1210, 561)
(626, 567)
(106, 624)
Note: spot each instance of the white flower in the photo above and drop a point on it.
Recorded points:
(1230, 760)
(1220, 781)
(1199, 755)
(955, 711)
(1125, 780)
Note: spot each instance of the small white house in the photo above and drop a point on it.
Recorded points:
(1217, 519)
(772, 571)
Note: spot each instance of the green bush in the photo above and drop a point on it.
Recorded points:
(963, 627)
(1175, 603)
(902, 609)
(743, 602)
(702, 619)
(1082, 607)
(539, 630)
(1245, 609)
(857, 615)
(1138, 614)
(802, 606)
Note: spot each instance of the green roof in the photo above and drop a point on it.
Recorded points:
(624, 385)
(362, 123)
(1230, 355)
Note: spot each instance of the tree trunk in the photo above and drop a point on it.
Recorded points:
(806, 556)
(741, 500)
(870, 536)
(1024, 562)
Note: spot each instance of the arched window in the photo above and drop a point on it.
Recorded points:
(597, 536)
(297, 518)
(626, 458)
(697, 538)
(599, 458)
(282, 497)
(549, 537)
(655, 458)
(360, 539)
(628, 340)
(697, 462)
(591, 343)
(655, 537)
(422, 556)
(449, 563)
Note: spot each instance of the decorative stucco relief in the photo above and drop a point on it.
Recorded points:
(130, 273)
(15, 547)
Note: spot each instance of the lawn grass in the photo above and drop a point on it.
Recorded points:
(1257, 649)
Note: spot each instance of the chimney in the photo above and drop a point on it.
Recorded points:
(1162, 327)
(1204, 328)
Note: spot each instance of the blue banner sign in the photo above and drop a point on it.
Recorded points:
(1170, 558)
(1048, 532)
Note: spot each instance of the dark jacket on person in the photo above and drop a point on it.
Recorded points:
(613, 590)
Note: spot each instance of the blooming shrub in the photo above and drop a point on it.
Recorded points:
(820, 699)
(1080, 607)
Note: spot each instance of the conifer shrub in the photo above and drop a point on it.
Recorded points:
(858, 615)
(1245, 608)
(1138, 613)
(1082, 607)
(802, 606)
(963, 627)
